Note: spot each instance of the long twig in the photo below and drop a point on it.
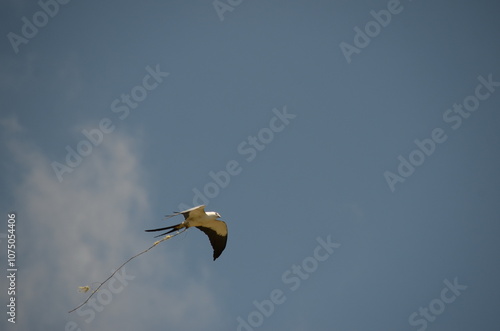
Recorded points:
(114, 272)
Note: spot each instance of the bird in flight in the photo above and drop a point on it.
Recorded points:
(208, 222)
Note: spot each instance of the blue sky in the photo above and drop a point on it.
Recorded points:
(357, 171)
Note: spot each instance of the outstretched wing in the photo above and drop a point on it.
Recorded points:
(217, 234)
(198, 211)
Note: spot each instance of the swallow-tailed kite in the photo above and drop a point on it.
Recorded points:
(207, 222)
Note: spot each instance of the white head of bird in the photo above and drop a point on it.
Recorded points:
(213, 214)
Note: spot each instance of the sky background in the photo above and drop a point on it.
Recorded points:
(320, 178)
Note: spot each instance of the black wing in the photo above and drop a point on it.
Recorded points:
(217, 241)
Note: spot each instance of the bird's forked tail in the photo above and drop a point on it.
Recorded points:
(173, 228)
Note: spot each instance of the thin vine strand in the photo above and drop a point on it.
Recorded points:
(86, 288)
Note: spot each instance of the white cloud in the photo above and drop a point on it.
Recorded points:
(75, 232)
(10, 125)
